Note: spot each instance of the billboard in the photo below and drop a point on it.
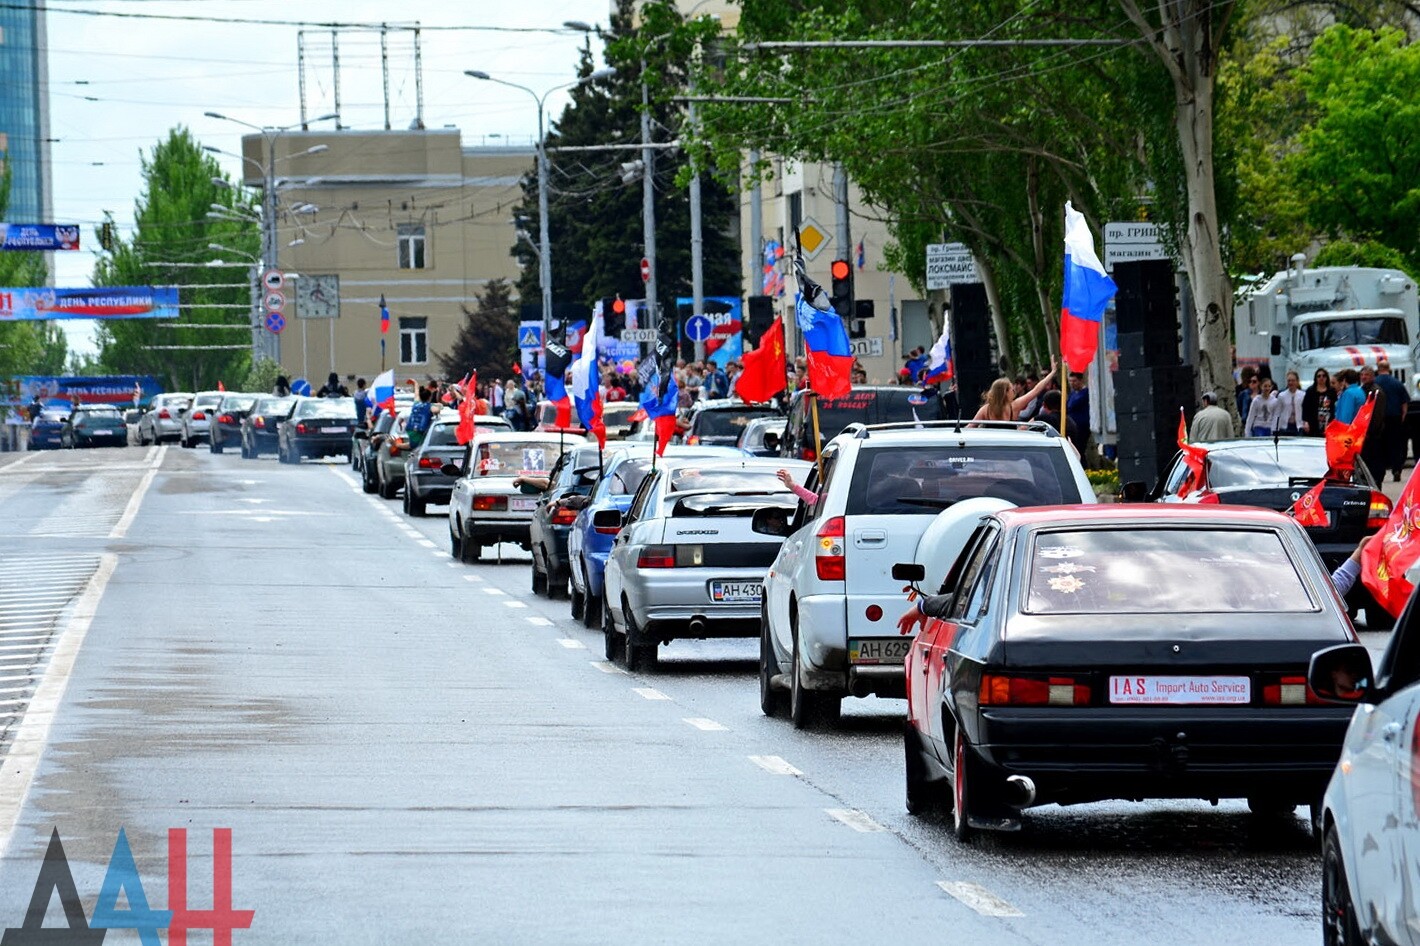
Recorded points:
(38, 237)
(109, 302)
(725, 312)
(115, 389)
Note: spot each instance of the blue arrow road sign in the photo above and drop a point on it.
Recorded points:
(275, 322)
(302, 387)
(699, 328)
(530, 337)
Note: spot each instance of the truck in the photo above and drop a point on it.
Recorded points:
(1330, 317)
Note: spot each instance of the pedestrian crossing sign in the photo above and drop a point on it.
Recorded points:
(530, 337)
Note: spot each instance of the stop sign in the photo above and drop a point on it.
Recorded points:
(645, 269)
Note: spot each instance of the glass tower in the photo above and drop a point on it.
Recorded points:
(24, 110)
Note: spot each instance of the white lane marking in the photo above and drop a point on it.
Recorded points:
(494, 591)
(855, 819)
(606, 666)
(26, 646)
(472, 578)
(427, 544)
(439, 554)
(571, 643)
(452, 564)
(514, 604)
(774, 765)
(649, 693)
(25, 676)
(120, 529)
(978, 898)
(703, 724)
(31, 735)
(540, 622)
(344, 476)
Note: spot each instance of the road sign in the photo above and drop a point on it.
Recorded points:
(868, 347)
(638, 334)
(645, 269)
(275, 301)
(1132, 243)
(530, 337)
(301, 387)
(949, 264)
(699, 328)
(275, 322)
(273, 279)
(813, 238)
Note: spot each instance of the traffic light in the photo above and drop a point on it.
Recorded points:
(842, 288)
(613, 316)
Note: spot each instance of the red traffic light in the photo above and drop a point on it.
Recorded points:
(840, 269)
(618, 306)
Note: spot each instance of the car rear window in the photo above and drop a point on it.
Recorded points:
(868, 407)
(326, 407)
(925, 480)
(1271, 464)
(274, 405)
(443, 435)
(618, 414)
(514, 459)
(727, 423)
(237, 403)
(1162, 571)
(687, 478)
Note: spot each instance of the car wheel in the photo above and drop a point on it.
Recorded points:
(640, 656)
(368, 483)
(415, 506)
(557, 582)
(215, 446)
(592, 610)
(388, 490)
(187, 443)
(965, 769)
(1339, 926)
(922, 795)
(455, 545)
(539, 579)
(579, 603)
(771, 700)
(808, 708)
(472, 551)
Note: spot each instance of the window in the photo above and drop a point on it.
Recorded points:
(412, 248)
(413, 340)
(926, 480)
(976, 580)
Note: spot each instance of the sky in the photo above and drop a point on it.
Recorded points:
(118, 85)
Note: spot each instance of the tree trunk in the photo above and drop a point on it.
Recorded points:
(1042, 292)
(998, 319)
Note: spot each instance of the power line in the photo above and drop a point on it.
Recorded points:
(309, 24)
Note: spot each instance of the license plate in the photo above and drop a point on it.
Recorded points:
(522, 505)
(889, 650)
(334, 430)
(736, 592)
(1180, 690)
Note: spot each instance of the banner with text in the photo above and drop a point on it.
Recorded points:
(38, 237)
(109, 302)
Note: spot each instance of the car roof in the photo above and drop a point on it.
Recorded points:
(988, 433)
(1263, 443)
(731, 404)
(744, 464)
(1151, 514)
(519, 436)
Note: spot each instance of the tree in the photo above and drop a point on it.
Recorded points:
(174, 225)
(487, 343)
(25, 347)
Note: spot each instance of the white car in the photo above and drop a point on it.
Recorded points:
(828, 626)
(485, 507)
(197, 419)
(163, 419)
(687, 563)
(1370, 816)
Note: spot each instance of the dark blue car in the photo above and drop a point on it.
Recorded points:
(587, 546)
(46, 431)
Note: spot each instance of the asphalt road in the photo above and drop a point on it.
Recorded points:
(408, 749)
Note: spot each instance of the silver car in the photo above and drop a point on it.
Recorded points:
(197, 419)
(485, 507)
(163, 419)
(687, 562)
(762, 435)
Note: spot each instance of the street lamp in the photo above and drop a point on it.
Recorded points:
(544, 277)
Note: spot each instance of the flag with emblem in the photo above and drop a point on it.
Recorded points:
(1392, 550)
(466, 428)
(764, 368)
(1308, 511)
(1344, 441)
(1192, 457)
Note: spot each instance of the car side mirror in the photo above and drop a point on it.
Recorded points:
(908, 571)
(1276, 345)
(451, 469)
(1134, 492)
(1342, 674)
(771, 520)
(607, 519)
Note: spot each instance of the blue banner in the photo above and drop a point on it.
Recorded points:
(38, 236)
(120, 390)
(108, 302)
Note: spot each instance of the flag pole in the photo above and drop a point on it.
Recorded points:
(1064, 383)
(818, 438)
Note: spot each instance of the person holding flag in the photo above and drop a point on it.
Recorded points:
(659, 400)
(827, 349)
(764, 370)
(383, 396)
(939, 359)
(586, 382)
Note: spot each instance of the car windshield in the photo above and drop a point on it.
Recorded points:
(442, 435)
(626, 479)
(728, 424)
(174, 403)
(925, 480)
(207, 400)
(517, 458)
(1159, 570)
(274, 405)
(869, 407)
(690, 477)
(1379, 330)
(326, 407)
(1272, 465)
(549, 417)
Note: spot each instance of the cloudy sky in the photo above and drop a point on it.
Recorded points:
(118, 84)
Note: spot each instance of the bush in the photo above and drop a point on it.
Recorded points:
(1104, 481)
(262, 376)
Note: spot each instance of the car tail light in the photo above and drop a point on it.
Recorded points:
(1289, 691)
(807, 453)
(1003, 690)
(259, 423)
(692, 440)
(430, 463)
(874, 613)
(563, 515)
(199, 415)
(606, 530)
(164, 415)
(1379, 511)
(301, 427)
(226, 419)
(656, 556)
(828, 557)
(490, 503)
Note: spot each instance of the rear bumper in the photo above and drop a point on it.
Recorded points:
(430, 486)
(263, 441)
(321, 445)
(668, 601)
(499, 530)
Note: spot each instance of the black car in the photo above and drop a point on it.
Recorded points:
(424, 479)
(259, 426)
(719, 423)
(94, 425)
(369, 447)
(1274, 474)
(569, 485)
(226, 426)
(861, 405)
(1085, 653)
(317, 427)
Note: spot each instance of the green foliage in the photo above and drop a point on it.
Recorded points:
(261, 377)
(1366, 253)
(25, 347)
(487, 342)
(172, 226)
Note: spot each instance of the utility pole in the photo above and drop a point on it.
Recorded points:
(697, 249)
(648, 198)
(840, 213)
(271, 342)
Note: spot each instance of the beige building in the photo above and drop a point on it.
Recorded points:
(414, 216)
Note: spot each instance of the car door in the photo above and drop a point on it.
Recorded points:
(1399, 906)
(787, 571)
(619, 559)
(969, 611)
(918, 666)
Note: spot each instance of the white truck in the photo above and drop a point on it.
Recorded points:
(1332, 317)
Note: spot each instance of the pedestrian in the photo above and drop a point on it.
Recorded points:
(514, 405)
(1263, 411)
(36, 408)
(416, 425)
(1049, 413)
(1077, 407)
(1349, 396)
(362, 403)
(997, 403)
(1397, 412)
(20, 428)
(282, 387)
(1211, 423)
(1375, 450)
(1318, 404)
(1289, 405)
(1248, 387)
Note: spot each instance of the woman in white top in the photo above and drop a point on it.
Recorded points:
(1289, 401)
(1262, 416)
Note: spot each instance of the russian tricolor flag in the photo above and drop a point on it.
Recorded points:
(586, 382)
(384, 316)
(939, 359)
(384, 390)
(826, 347)
(1088, 290)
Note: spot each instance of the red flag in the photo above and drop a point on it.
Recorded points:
(1393, 550)
(221, 386)
(1192, 457)
(665, 430)
(1308, 511)
(465, 430)
(1344, 441)
(764, 368)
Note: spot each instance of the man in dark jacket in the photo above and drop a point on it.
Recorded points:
(333, 387)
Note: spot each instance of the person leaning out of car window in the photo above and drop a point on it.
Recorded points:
(420, 416)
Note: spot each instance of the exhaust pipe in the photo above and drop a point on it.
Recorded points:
(697, 627)
(1020, 791)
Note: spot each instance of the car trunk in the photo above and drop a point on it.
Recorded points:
(716, 532)
(873, 544)
(1347, 506)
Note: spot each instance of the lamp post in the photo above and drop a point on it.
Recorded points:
(544, 254)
